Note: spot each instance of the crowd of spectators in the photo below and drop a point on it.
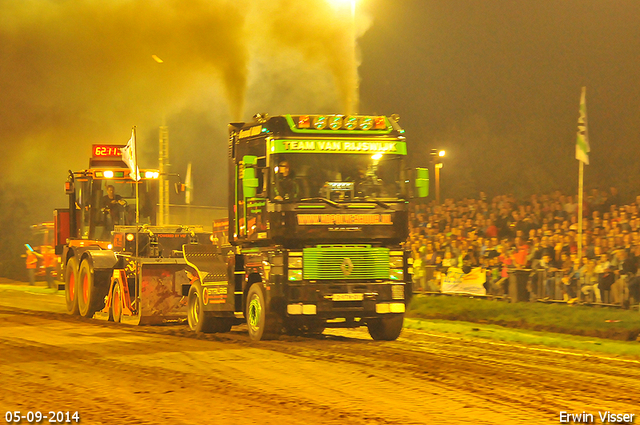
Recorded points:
(538, 235)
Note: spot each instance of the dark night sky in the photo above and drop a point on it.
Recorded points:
(499, 81)
(495, 82)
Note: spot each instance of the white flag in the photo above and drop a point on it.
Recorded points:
(188, 186)
(129, 157)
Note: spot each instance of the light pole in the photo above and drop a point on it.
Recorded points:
(436, 158)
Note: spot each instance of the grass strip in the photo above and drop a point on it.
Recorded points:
(466, 330)
(601, 322)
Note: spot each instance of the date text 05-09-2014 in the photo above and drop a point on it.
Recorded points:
(48, 417)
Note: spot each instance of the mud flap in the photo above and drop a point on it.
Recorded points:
(210, 262)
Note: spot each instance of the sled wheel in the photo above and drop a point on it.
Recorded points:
(199, 319)
(116, 303)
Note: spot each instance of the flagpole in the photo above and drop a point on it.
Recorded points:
(135, 168)
(135, 156)
(582, 155)
(580, 195)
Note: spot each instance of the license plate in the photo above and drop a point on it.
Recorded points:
(348, 297)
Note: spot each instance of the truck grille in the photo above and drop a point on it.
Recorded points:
(345, 262)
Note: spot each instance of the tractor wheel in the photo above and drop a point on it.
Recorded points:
(90, 297)
(386, 328)
(70, 278)
(262, 323)
(116, 303)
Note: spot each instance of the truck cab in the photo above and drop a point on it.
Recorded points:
(318, 212)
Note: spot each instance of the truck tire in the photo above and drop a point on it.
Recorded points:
(116, 303)
(90, 294)
(262, 323)
(386, 328)
(200, 320)
(70, 278)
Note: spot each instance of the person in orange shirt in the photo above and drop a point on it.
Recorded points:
(32, 265)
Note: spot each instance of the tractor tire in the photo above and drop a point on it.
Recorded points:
(386, 328)
(263, 324)
(70, 278)
(90, 294)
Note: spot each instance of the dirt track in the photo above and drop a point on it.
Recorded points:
(114, 374)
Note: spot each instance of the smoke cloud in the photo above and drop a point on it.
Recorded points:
(80, 72)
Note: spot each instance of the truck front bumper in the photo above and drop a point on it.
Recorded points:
(346, 300)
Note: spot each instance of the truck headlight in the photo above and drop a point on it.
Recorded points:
(295, 262)
(295, 275)
(396, 262)
(396, 274)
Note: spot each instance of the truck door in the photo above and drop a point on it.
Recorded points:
(251, 192)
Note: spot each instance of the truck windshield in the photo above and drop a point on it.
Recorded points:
(337, 177)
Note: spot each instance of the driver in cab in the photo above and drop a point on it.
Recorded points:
(286, 187)
(112, 205)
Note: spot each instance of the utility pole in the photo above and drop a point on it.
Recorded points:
(436, 155)
(163, 159)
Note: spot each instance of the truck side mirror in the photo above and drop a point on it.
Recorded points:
(249, 179)
(422, 182)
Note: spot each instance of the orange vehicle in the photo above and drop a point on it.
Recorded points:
(117, 263)
(43, 239)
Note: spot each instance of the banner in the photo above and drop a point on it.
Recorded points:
(456, 282)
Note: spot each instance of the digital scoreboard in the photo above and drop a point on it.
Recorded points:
(107, 151)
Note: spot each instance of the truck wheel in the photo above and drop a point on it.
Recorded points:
(262, 323)
(87, 291)
(386, 328)
(116, 303)
(70, 278)
(199, 320)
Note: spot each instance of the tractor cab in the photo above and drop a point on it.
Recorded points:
(104, 196)
(107, 198)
